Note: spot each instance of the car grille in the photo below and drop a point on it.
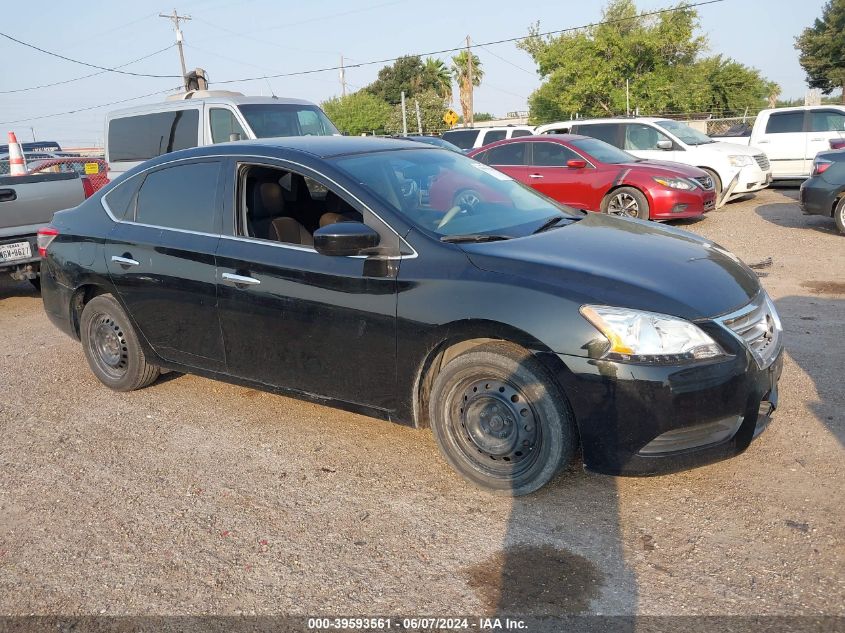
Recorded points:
(762, 161)
(706, 182)
(758, 326)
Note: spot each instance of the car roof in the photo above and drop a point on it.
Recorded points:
(183, 104)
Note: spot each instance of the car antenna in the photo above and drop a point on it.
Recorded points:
(269, 85)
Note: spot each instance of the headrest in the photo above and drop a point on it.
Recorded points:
(267, 200)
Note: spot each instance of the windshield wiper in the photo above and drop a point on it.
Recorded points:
(474, 237)
(551, 222)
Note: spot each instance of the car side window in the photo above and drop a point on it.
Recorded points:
(607, 132)
(481, 157)
(464, 139)
(642, 137)
(508, 154)
(785, 122)
(223, 124)
(827, 121)
(180, 197)
(552, 155)
(121, 199)
(518, 133)
(146, 136)
(494, 135)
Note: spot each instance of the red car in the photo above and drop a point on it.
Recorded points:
(590, 174)
(94, 170)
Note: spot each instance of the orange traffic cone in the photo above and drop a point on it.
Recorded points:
(17, 165)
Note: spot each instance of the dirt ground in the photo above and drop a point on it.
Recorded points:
(199, 497)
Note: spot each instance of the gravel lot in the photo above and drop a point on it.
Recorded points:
(199, 497)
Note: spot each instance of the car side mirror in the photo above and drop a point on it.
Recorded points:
(234, 136)
(345, 238)
(664, 145)
(576, 163)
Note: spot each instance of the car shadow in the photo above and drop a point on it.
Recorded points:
(12, 288)
(788, 215)
(813, 326)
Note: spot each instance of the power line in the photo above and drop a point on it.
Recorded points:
(100, 72)
(76, 61)
(482, 44)
(525, 70)
(94, 107)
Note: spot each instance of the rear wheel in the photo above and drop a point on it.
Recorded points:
(839, 215)
(500, 421)
(111, 346)
(626, 202)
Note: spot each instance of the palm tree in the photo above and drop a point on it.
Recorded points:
(460, 70)
(437, 77)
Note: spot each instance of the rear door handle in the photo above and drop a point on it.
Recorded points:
(761, 141)
(816, 139)
(535, 175)
(240, 280)
(125, 261)
(7, 195)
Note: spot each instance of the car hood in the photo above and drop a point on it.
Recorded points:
(666, 168)
(630, 263)
(728, 149)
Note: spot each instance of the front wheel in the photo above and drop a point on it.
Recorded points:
(111, 346)
(839, 215)
(500, 421)
(626, 202)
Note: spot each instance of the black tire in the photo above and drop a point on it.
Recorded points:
(500, 421)
(717, 182)
(111, 346)
(839, 215)
(626, 202)
(36, 283)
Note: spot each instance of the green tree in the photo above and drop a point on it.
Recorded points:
(437, 76)
(585, 72)
(407, 74)
(460, 70)
(432, 108)
(357, 113)
(822, 48)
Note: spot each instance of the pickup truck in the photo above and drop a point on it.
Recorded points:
(791, 137)
(26, 204)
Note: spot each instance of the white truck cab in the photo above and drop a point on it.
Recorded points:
(791, 137)
(736, 169)
(205, 117)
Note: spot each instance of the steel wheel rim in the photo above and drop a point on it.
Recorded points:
(495, 427)
(624, 204)
(108, 347)
(467, 199)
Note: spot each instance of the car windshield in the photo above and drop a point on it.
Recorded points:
(604, 152)
(269, 120)
(684, 132)
(448, 194)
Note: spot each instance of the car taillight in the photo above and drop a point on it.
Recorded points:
(87, 187)
(46, 235)
(837, 143)
(820, 166)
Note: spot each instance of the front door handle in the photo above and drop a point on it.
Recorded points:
(535, 175)
(817, 139)
(7, 195)
(240, 280)
(761, 141)
(125, 261)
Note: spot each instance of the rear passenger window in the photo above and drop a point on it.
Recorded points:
(223, 125)
(785, 122)
(827, 121)
(180, 197)
(495, 135)
(121, 199)
(137, 138)
(607, 132)
(509, 154)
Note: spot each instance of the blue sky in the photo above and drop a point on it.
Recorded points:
(234, 39)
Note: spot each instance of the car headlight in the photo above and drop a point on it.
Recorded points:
(674, 183)
(740, 160)
(648, 337)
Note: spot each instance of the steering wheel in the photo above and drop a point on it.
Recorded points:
(409, 188)
(449, 216)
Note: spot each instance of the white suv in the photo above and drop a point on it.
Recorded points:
(468, 138)
(736, 169)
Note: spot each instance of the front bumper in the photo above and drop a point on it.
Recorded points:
(622, 408)
(817, 197)
(752, 178)
(668, 204)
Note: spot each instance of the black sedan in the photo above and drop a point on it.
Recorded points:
(823, 193)
(515, 328)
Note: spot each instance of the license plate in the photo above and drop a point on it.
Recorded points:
(15, 250)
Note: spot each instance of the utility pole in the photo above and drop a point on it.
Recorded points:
(342, 78)
(419, 118)
(627, 100)
(404, 117)
(469, 79)
(175, 17)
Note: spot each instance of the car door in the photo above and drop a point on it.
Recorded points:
(785, 143)
(160, 257)
(823, 125)
(299, 320)
(510, 158)
(641, 140)
(549, 174)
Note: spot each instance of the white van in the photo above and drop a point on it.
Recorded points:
(793, 136)
(198, 118)
(736, 169)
